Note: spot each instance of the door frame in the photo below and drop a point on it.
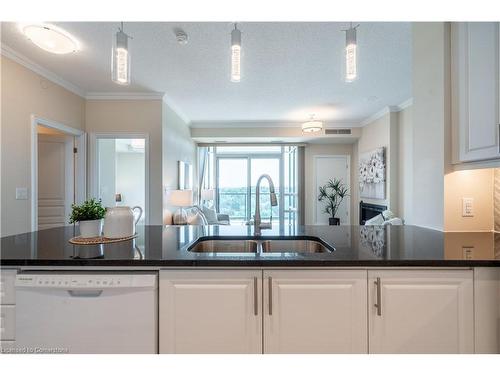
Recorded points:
(80, 169)
(347, 159)
(93, 179)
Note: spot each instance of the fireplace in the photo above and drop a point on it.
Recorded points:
(368, 210)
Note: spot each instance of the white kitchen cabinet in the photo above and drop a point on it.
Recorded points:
(475, 91)
(426, 311)
(315, 311)
(210, 311)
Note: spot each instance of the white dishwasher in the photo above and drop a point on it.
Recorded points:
(91, 312)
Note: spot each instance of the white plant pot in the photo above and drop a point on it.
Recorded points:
(90, 228)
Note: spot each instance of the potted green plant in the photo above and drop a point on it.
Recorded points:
(333, 193)
(89, 216)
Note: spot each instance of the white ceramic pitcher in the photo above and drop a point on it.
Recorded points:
(119, 221)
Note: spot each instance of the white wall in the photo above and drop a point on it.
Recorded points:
(130, 175)
(477, 184)
(25, 93)
(405, 166)
(382, 132)
(176, 145)
(134, 116)
(107, 172)
(312, 150)
(431, 137)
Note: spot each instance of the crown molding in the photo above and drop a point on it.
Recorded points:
(177, 110)
(377, 115)
(124, 96)
(31, 65)
(265, 124)
(405, 104)
(386, 110)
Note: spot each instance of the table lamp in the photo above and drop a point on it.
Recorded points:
(181, 199)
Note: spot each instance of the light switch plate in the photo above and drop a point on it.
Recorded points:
(467, 207)
(22, 193)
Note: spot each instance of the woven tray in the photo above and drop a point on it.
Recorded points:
(98, 240)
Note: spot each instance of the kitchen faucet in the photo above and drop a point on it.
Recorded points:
(257, 222)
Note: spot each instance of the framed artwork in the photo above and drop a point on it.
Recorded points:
(372, 174)
(185, 175)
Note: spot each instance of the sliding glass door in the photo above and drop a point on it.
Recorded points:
(237, 170)
(232, 187)
(259, 166)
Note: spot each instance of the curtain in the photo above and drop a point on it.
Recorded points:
(202, 166)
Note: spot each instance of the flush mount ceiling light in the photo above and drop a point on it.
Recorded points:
(50, 38)
(312, 126)
(351, 52)
(120, 58)
(235, 54)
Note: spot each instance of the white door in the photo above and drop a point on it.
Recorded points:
(425, 311)
(213, 311)
(328, 167)
(475, 86)
(318, 311)
(55, 180)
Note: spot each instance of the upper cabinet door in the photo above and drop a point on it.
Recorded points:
(317, 311)
(426, 311)
(210, 311)
(475, 91)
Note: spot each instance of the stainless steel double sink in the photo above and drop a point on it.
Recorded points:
(289, 245)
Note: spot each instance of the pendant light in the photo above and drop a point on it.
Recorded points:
(351, 51)
(235, 54)
(312, 126)
(120, 58)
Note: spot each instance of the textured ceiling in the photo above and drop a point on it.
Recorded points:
(289, 70)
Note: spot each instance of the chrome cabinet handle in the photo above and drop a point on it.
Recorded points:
(255, 297)
(378, 304)
(85, 293)
(270, 290)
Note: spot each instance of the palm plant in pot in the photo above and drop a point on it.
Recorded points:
(333, 193)
(89, 216)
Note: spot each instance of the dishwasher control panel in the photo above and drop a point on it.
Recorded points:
(87, 281)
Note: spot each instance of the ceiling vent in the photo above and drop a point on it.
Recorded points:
(338, 131)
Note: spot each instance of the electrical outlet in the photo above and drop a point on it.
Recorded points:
(22, 193)
(468, 252)
(467, 207)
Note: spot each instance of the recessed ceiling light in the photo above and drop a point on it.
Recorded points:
(50, 38)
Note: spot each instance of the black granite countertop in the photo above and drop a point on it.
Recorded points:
(166, 246)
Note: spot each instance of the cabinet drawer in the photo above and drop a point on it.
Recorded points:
(7, 289)
(7, 322)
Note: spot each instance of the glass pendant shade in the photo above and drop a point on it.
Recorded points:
(120, 59)
(235, 55)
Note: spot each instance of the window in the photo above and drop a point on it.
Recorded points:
(234, 170)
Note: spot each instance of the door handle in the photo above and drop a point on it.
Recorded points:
(85, 293)
(378, 303)
(255, 297)
(270, 290)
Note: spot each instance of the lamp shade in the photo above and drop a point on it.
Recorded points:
(181, 198)
(312, 126)
(208, 194)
